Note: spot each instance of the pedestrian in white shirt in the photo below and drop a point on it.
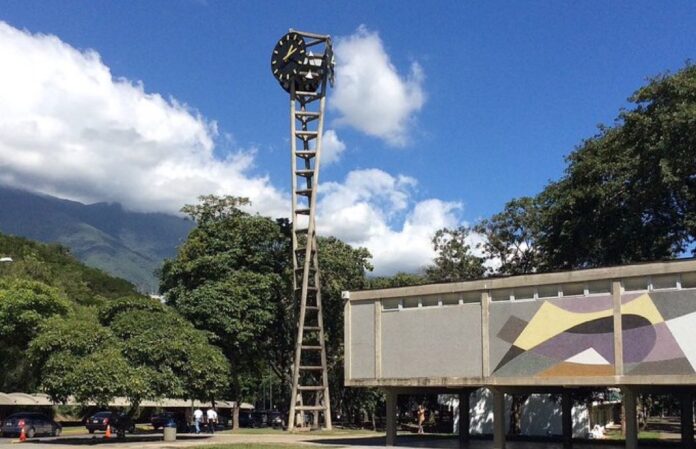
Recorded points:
(197, 418)
(212, 416)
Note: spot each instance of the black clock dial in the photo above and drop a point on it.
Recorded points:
(287, 59)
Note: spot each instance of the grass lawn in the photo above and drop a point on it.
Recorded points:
(642, 435)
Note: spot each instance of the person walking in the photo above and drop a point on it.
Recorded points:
(421, 418)
(197, 418)
(212, 417)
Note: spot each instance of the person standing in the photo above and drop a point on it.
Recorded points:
(197, 418)
(212, 417)
(421, 418)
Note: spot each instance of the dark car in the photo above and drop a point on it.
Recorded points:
(120, 422)
(33, 423)
(160, 420)
(276, 419)
(249, 419)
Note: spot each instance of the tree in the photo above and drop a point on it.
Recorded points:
(24, 305)
(510, 237)
(397, 280)
(455, 260)
(629, 193)
(135, 347)
(228, 279)
(233, 278)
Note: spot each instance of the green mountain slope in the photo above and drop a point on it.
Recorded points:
(125, 244)
(53, 265)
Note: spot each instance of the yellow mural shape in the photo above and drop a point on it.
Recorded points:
(643, 306)
(551, 320)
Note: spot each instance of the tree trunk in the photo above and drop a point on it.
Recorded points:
(518, 401)
(235, 416)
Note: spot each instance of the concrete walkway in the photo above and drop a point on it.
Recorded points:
(154, 441)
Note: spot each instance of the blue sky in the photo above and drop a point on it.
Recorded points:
(509, 88)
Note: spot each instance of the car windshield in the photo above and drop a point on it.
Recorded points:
(102, 415)
(21, 416)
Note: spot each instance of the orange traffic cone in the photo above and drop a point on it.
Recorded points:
(22, 435)
(107, 435)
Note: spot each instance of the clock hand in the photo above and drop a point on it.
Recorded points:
(290, 53)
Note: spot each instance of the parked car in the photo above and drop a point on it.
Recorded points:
(249, 419)
(277, 419)
(159, 420)
(120, 422)
(33, 423)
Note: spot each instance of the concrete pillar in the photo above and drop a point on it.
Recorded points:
(630, 418)
(498, 419)
(391, 417)
(464, 417)
(687, 419)
(567, 419)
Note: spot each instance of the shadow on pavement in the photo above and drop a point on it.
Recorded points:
(100, 440)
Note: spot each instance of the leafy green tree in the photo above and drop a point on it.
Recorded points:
(629, 193)
(140, 349)
(454, 260)
(233, 278)
(24, 305)
(510, 237)
(397, 280)
(227, 278)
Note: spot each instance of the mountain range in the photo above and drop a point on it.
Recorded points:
(129, 245)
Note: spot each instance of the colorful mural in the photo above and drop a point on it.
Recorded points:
(574, 336)
(563, 337)
(665, 343)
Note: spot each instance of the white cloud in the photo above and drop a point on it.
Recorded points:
(332, 147)
(68, 128)
(370, 95)
(374, 209)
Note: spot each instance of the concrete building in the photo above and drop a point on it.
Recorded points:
(631, 327)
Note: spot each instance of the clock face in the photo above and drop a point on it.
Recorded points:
(288, 58)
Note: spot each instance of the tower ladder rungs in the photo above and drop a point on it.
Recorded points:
(305, 173)
(310, 388)
(302, 93)
(305, 154)
(302, 211)
(308, 114)
(304, 135)
(311, 368)
(311, 348)
(310, 408)
(304, 192)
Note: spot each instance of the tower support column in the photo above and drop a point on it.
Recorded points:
(391, 417)
(630, 417)
(464, 418)
(498, 419)
(687, 419)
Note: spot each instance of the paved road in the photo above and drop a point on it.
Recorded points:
(154, 441)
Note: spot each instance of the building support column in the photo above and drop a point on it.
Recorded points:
(630, 418)
(567, 419)
(498, 419)
(464, 418)
(391, 417)
(687, 419)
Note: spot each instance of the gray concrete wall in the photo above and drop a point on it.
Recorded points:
(432, 341)
(362, 348)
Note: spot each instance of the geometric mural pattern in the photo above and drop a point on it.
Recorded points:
(574, 336)
(665, 344)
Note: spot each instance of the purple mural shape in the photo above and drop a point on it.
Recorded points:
(585, 305)
(638, 342)
(565, 345)
(666, 346)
